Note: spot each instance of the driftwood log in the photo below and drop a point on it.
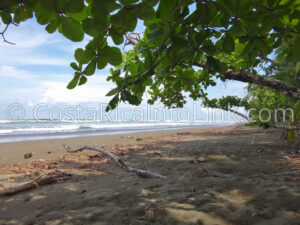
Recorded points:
(43, 180)
(120, 163)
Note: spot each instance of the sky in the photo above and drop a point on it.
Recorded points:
(36, 70)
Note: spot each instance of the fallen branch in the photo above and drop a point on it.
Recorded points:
(120, 163)
(43, 180)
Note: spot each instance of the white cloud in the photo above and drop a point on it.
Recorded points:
(24, 59)
(34, 46)
(94, 91)
(12, 72)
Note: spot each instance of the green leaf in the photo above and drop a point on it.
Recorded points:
(80, 56)
(80, 16)
(44, 12)
(91, 27)
(74, 66)
(112, 55)
(52, 26)
(179, 42)
(110, 5)
(155, 33)
(145, 13)
(5, 17)
(117, 38)
(82, 80)
(113, 103)
(124, 21)
(228, 44)
(72, 29)
(22, 13)
(113, 92)
(90, 69)
(74, 6)
(73, 82)
(296, 49)
(101, 62)
(60, 5)
(216, 64)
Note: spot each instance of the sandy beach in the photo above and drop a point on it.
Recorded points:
(222, 175)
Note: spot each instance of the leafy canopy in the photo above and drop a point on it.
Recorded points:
(186, 43)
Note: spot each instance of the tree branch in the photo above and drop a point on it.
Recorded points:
(290, 90)
(239, 114)
(43, 180)
(3, 32)
(118, 161)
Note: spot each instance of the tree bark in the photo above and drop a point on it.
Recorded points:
(290, 90)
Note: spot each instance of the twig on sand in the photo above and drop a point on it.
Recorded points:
(120, 163)
(253, 140)
(42, 180)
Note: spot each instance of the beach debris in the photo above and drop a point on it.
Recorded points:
(197, 160)
(259, 150)
(49, 152)
(55, 162)
(28, 155)
(94, 157)
(42, 180)
(156, 153)
(256, 214)
(82, 191)
(201, 160)
(27, 198)
(120, 163)
(202, 172)
(35, 173)
(139, 139)
(296, 179)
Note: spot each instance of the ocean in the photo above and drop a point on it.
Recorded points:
(38, 130)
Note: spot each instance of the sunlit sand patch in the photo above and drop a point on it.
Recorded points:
(71, 188)
(145, 193)
(193, 216)
(219, 157)
(181, 206)
(37, 197)
(234, 197)
(291, 214)
(168, 158)
(11, 222)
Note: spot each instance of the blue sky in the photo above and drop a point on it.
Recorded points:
(36, 70)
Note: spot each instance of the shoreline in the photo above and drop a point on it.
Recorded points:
(51, 149)
(9, 138)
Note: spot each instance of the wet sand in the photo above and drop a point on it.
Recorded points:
(241, 184)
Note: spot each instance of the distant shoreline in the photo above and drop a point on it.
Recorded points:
(35, 136)
(51, 149)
